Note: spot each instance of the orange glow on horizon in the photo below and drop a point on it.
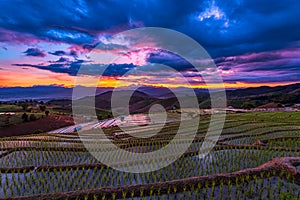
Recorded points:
(247, 85)
(22, 79)
(39, 77)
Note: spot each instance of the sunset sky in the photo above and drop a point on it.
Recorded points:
(253, 42)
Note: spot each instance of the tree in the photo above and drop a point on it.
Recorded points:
(247, 106)
(38, 131)
(25, 117)
(279, 105)
(42, 107)
(7, 120)
(47, 112)
(32, 117)
(24, 106)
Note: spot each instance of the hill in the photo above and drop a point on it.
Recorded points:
(265, 96)
(144, 97)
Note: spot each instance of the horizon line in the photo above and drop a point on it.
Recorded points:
(253, 85)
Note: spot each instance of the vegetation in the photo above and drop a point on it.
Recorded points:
(13, 113)
(50, 164)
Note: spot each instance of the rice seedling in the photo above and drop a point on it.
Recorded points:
(50, 164)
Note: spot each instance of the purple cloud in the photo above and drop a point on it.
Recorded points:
(72, 53)
(34, 52)
(280, 65)
(62, 59)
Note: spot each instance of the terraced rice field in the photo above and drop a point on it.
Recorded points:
(257, 157)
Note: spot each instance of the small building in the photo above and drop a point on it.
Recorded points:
(122, 117)
(77, 128)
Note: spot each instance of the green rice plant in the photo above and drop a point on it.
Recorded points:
(142, 192)
(241, 129)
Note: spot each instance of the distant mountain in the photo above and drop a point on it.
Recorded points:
(46, 93)
(158, 92)
(139, 101)
(265, 96)
(264, 91)
(35, 93)
(144, 97)
(41, 93)
(163, 92)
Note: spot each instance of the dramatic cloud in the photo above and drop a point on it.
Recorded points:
(72, 67)
(238, 26)
(69, 68)
(63, 53)
(34, 52)
(62, 59)
(280, 65)
(169, 59)
(251, 41)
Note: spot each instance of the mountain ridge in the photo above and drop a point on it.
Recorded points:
(148, 95)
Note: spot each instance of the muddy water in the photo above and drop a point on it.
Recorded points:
(130, 120)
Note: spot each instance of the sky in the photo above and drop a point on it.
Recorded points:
(252, 42)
